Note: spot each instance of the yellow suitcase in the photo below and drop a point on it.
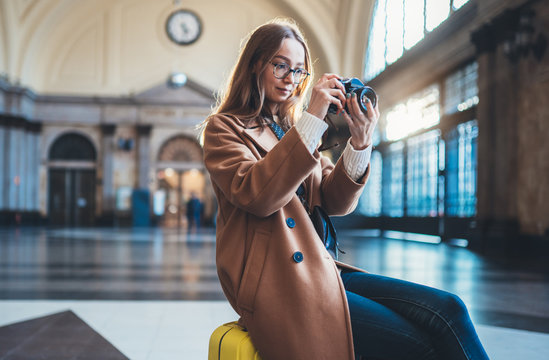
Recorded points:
(231, 342)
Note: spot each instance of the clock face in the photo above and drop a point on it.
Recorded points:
(183, 27)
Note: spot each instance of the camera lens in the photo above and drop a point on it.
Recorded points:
(367, 93)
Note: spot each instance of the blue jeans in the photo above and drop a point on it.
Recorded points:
(397, 319)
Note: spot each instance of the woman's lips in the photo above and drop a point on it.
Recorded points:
(284, 91)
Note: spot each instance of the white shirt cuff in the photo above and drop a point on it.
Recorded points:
(356, 161)
(310, 129)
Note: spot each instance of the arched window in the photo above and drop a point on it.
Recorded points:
(180, 149)
(398, 25)
(72, 146)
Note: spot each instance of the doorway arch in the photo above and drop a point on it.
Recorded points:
(180, 173)
(71, 173)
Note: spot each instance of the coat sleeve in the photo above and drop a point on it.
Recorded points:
(340, 193)
(258, 186)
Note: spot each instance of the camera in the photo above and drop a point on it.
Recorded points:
(362, 92)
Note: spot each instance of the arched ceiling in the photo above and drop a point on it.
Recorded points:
(119, 47)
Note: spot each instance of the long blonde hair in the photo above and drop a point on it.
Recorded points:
(244, 95)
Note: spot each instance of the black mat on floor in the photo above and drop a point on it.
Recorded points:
(59, 336)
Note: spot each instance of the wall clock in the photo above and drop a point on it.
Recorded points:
(183, 27)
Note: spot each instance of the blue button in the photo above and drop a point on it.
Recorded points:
(298, 257)
(290, 222)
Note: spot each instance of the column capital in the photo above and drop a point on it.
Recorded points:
(143, 129)
(107, 129)
(34, 126)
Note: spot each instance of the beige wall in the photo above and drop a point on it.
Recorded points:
(3, 46)
(110, 48)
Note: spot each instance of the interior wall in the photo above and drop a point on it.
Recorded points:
(119, 48)
(3, 47)
(113, 48)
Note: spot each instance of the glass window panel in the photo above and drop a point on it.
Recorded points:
(453, 85)
(413, 22)
(420, 111)
(375, 54)
(398, 25)
(376, 138)
(470, 86)
(459, 3)
(461, 89)
(370, 200)
(422, 174)
(441, 167)
(461, 170)
(437, 12)
(396, 122)
(395, 31)
(393, 181)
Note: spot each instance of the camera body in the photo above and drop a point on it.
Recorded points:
(362, 92)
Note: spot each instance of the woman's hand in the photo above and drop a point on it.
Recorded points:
(328, 90)
(361, 125)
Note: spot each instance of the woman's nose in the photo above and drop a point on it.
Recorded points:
(289, 78)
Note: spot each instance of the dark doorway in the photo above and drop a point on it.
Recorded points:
(72, 194)
(72, 181)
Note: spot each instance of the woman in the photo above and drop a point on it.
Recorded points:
(295, 301)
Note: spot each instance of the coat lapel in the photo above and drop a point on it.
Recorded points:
(263, 139)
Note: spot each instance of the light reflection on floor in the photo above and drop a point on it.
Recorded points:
(157, 267)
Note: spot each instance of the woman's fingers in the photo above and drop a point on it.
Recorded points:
(361, 125)
(353, 107)
(356, 110)
(331, 81)
(337, 84)
(329, 76)
(327, 91)
(338, 94)
(348, 119)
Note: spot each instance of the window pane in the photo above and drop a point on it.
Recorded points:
(461, 170)
(375, 54)
(413, 22)
(437, 12)
(398, 25)
(422, 174)
(459, 3)
(370, 200)
(470, 85)
(461, 89)
(395, 17)
(420, 111)
(396, 122)
(376, 137)
(452, 87)
(393, 181)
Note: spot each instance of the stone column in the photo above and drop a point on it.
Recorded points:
(12, 165)
(497, 223)
(33, 185)
(108, 195)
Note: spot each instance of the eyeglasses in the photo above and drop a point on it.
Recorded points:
(281, 70)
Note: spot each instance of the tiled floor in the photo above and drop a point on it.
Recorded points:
(154, 294)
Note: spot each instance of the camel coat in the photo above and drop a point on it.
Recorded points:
(272, 265)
